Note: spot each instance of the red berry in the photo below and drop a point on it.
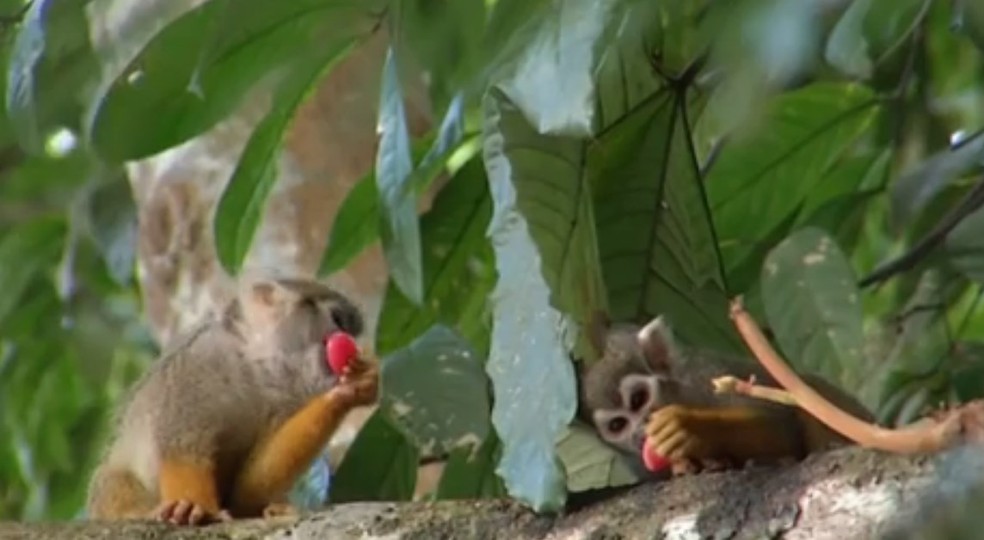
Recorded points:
(340, 350)
(653, 461)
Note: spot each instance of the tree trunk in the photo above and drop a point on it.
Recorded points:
(844, 494)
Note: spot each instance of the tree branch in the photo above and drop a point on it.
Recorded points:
(802, 500)
(935, 237)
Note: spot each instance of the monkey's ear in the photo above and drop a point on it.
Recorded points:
(657, 342)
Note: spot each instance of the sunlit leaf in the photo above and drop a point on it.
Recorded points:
(847, 48)
(195, 71)
(380, 465)
(458, 274)
(241, 206)
(399, 228)
(869, 30)
(813, 308)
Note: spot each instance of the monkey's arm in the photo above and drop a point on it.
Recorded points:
(280, 459)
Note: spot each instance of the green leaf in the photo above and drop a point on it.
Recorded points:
(194, 71)
(380, 465)
(770, 172)
(869, 31)
(592, 464)
(657, 244)
(25, 251)
(356, 226)
(111, 219)
(965, 246)
(546, 257)
(470, 474)
(241, 206)
(435, 391)
(812, 305)
(847, 48)
(52, 63)
(399, 228)
(918, 186)
(458, 273)
(971, 21)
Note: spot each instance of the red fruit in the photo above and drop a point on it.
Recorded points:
(340, 350)
(653, 461)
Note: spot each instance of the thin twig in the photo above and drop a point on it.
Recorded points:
(929, 436)
(733, 385)
(973, 201)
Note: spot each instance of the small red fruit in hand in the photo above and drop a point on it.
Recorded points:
(653, 461)
(340, 351)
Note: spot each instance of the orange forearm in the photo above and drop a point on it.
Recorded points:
(281, 459)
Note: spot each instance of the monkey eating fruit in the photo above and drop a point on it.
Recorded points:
(236, 409)
(652, 398)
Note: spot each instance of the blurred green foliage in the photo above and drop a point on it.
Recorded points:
(824, 159)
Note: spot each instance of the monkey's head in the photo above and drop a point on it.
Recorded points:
(285, 322)
(628, 382)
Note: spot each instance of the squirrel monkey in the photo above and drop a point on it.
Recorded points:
(234, 411)
(647, 385)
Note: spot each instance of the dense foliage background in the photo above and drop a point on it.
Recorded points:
(825, 159)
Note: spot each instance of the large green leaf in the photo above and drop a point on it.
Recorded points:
(194, 71)
(813, 306)
(435, 391)
(917, 187)
(657, 244)
(241, 206)
(768, 173)
(546, 256)
(965, 246)
(380, 465)
(399, 227)
(26, 250)
(458, 274)
(51, 65)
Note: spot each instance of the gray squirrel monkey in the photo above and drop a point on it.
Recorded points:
(646, 385)
(234, 411)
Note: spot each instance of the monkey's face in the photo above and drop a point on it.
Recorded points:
(631, 380)
(292, 318)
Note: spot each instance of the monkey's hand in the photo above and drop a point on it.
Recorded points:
(706, 437)
(186, 512)
(359, 384)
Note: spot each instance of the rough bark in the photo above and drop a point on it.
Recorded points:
(845, 494)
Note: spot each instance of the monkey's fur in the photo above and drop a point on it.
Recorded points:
(234, 411)
(647, 385)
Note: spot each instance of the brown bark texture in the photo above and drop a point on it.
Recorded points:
(843, 494)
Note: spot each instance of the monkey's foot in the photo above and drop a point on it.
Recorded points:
(276, 510)
(185, 512)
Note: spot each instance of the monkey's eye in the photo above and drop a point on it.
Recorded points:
(638, 398)
(617, 424)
